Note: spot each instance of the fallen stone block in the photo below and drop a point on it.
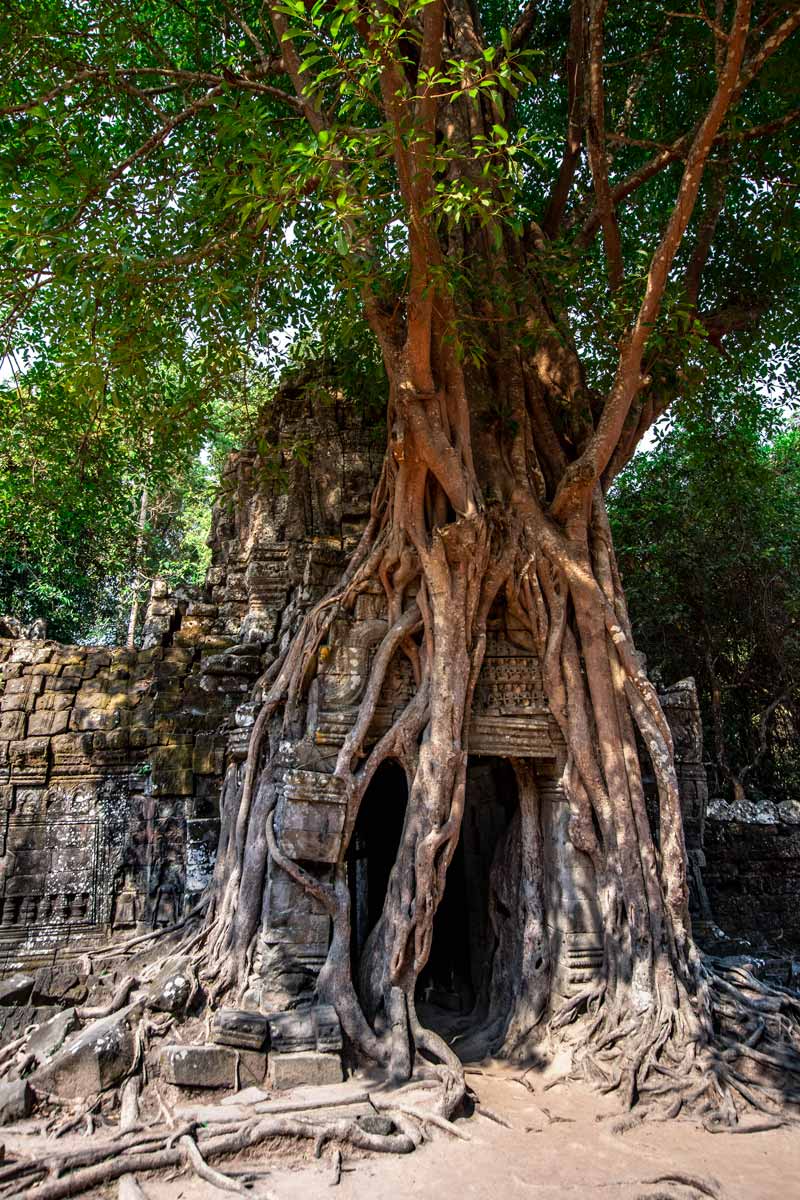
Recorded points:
(252, 1068)
(16, 989)
(56, 985)
(51, 1035)
(314, 1028)
(234, 1027)
(94, 1059)
(16, 1101)
(303, 1067)
(198, 1066)
(172, 988)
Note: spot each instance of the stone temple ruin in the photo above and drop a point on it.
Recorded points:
(112, 761)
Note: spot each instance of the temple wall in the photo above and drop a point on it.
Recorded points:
(752, 876)
(110, 769)
(112, 760)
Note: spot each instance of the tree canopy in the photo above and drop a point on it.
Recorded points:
(705, 524)
(556, 220)
(166, 197)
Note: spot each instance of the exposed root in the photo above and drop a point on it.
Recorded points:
(201, 1168)
(160, 1149)
(130, 1189)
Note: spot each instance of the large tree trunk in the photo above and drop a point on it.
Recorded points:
(491, 500)
(446, 557)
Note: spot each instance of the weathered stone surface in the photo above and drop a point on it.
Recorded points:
(314, 1028)
(58, 985)
(172, 988)
(198, 1066)
(252, 1067)
(16, 1101)
(303, 1067)
(16, 989)
(750, 812)
(789, 812)
(233, 1027)
(92, 1060)
(48, 1039)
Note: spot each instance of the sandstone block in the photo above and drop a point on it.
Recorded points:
(173, 783)
(64, 683)
(172, 988)
(171, 758)
(248, 1030)
(53, 702)
(198, 1066)
(58, 985)
(16, 1101)
(304, 1067)
(16, 989)
(44, 722)
(85, 719)
(92, 1060)
(24, 685)
(252, 1067)
(17, 702)
(12, 726)
(48, 1039)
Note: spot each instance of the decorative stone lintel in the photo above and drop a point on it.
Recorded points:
(312, 815)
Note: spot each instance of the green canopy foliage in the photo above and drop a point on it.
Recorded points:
(173, 223)
(72, 478)
(706, 529)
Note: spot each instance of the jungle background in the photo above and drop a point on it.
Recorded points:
(705, 518)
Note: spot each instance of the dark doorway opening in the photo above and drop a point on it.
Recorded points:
(373, 849)
(457, 975)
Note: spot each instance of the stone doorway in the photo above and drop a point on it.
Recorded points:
(455, 981)
(373, 849)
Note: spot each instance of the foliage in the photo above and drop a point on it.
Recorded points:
(71, 483)
(163, 199)
(175, 221)
(706, 528)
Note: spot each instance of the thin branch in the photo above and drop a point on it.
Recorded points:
(579, 479)
(705, 234)
(251, 81)
(523, 26)
(680, 146)
(557, 203)
(598, 161)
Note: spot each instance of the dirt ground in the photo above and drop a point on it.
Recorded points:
(574, 1155)
(561, 1143)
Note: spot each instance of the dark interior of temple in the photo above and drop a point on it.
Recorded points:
(463, 940)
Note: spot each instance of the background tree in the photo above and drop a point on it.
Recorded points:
(705, 526)
(549, 218)
(73, 471)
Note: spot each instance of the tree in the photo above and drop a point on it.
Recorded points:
(73, 548)
(551, 219)
(705, 526)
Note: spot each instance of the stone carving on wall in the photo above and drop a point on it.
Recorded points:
(574, 920)
(52, 877)
(311, 815)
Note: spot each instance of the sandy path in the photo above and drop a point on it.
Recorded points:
(541, 1160)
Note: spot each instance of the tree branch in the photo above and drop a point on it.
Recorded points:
(581, 476)
(678, 148)
(523, 26)
(251, 81)
(557, 203)
(598, 161)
